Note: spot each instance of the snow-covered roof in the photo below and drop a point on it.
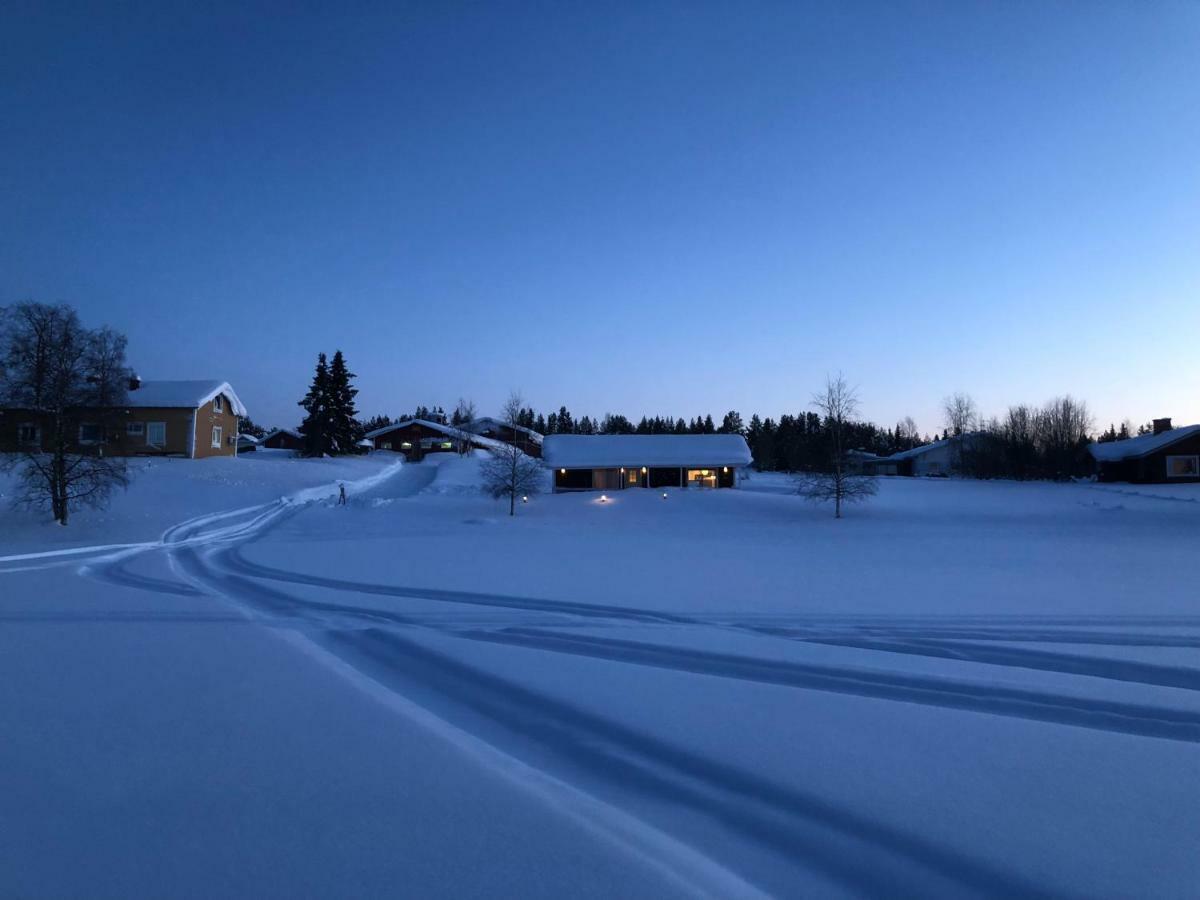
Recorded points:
(486, 422)
(448, 430)
(248, 438)
(586, 451)
(1131, 448)
(183, 395)
(297, 435)
(926, 448)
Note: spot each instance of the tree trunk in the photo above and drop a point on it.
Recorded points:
(512, 503)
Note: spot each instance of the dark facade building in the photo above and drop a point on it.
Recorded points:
(1170, 455)
(526, 439)
(613, 462)
(416, 438)
(283, 439)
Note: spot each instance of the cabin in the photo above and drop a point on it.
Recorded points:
(283, 439)
(417, 438)
(614, 462)
(525, 439)
(1168, 455)
(192, 419)
(938, 459)
(246, 443)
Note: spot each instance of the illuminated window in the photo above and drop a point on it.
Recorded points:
(703, 478)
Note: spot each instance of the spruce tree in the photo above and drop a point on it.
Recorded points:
(315, 427)
(342, 428)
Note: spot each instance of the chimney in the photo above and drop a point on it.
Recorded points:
(135, 381)
(1161, 425)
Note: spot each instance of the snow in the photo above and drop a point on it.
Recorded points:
(579, 451)
(184, 395)
(962, 688)
(1130, 448)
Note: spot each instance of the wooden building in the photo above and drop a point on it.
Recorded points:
(615, 462)
(194, 419)
(1170, 455)
(526, 439)
(416, 438)
(283, 439)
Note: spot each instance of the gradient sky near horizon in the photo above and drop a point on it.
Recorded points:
(645, 208)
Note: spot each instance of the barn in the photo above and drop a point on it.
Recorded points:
(1170, 455)
(613, 462)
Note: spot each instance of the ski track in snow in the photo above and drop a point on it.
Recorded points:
(598, 767)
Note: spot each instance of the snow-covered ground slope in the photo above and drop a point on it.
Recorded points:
(961, 689)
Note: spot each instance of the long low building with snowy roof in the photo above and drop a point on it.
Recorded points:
(195, 419)
(1168, 455)
(613, 462)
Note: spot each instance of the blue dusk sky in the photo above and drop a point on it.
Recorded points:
(630, 207)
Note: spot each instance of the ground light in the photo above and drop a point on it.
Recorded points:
(525, 499)
(664, 495)
(603, 498)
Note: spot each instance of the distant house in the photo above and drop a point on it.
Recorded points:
(584, 462)
(416, 438)
(1167, 455)
(939, 458)
(283, 439)
(528, 440)
(194, 419)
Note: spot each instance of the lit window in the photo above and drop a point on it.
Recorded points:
(218, 403)
(1183, 466)
(216, 436)
(28, 433)
(404, 445)
(135, 429)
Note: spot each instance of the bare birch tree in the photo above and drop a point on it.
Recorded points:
(509, 472)
(838, 404)
(66, 379)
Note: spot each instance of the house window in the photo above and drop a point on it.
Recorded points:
(91, 433)
(28, 433)
(1183, 466)
(385, 445)
(218, 404)
(135, 429)
(156, 434)
(216, 436)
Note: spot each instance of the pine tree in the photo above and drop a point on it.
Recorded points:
(732, 423)
(342, 427)
(315, 427)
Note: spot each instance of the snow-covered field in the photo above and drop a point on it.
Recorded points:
(961, 689)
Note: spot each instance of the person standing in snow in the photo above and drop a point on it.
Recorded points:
(341, 493)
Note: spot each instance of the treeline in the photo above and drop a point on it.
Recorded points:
(1029, 442)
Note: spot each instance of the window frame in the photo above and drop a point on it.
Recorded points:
(153, 443)
(1195, 458)
(218, 404)
(140, 432)
(89, 441)
(217, 437)
(36, 440)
